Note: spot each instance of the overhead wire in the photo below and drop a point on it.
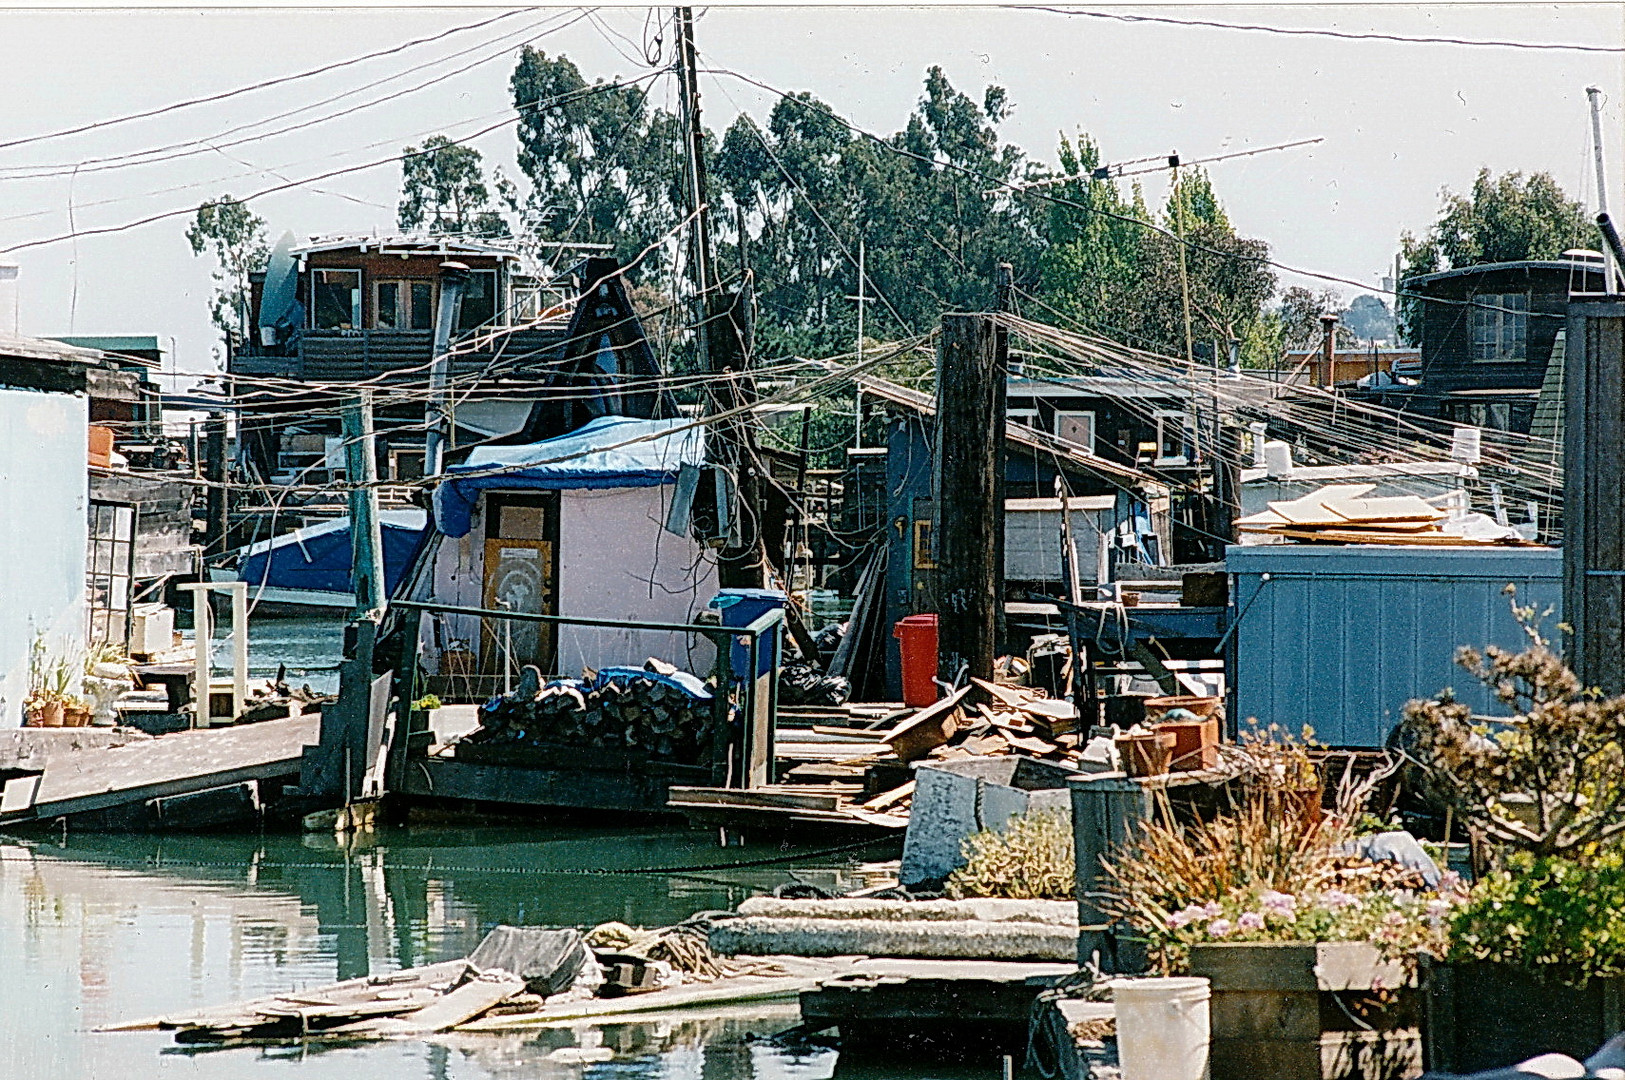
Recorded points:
(263, 84)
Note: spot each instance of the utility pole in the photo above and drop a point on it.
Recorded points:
(700, 267)
(723, 335)
(1594, 435)
(1184, 278)
(966, 465)
(361, 470)
(1595, 96)
(862, 299)
(217, 507)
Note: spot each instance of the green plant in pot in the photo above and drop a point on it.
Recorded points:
(1536, 958)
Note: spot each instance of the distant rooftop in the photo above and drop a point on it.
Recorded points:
(1581, 261)
(410, 244)
(32, 348)
(127, 345)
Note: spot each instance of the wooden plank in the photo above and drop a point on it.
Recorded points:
(768, 796)
(887, 798)
(175, 764)
(458, 1007)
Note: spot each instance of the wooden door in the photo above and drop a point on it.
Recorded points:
(521, 573)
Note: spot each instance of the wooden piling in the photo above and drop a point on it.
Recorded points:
(1593, 500)
(967, 469)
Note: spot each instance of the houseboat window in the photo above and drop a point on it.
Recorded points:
(422, 305)
(1492, 415)
(1077, 427)
(1027, 417)
(1172, 441)
(337, 299)
(403, 305)
(479, 300)
(388, 312)
(1500, 323)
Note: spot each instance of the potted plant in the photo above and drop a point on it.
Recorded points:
(1310, 950)
(1536, 961)
(50, 682)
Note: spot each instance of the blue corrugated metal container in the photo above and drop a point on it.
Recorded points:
(1340, 638)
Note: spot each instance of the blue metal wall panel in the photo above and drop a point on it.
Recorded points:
(1341, 638)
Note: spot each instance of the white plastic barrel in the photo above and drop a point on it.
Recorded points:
(1162, 1028)
(1466, 445)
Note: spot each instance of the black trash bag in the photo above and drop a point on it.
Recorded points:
(803, 684)
(548, 960)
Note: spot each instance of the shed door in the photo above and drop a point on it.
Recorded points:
(521, 574)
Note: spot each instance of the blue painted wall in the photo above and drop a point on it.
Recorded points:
(1340, 638)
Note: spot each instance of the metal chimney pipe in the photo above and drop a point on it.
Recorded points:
(453, 280)
(1610, 236)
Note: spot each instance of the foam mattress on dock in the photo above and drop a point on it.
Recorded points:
(960, 939)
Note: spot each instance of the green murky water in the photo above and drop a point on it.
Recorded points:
(100, 929)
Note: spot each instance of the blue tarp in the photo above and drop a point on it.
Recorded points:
(609, 452)
(318, 556)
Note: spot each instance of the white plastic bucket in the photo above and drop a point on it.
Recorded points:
(1162, 1028)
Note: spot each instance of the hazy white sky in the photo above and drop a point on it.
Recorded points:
(1400, 120)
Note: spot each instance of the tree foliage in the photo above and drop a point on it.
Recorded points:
(793, 196)
(444, 189)
(1113, 263)
(235, 236)
(604, 166)
(1504, 218)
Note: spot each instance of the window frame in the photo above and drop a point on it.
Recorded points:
(1074, 414)
(1182, 418)
(357, 312)
(1496, 321)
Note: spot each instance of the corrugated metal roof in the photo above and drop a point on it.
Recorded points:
(408, 243)
(1564, 265)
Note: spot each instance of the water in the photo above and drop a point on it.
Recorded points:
(100, 929)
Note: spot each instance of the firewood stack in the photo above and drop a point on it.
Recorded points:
(654, 710)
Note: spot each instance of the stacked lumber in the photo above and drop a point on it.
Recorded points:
(1346, 514)
(1009, 719)
(656, 710)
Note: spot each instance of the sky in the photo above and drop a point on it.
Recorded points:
(1400, 121)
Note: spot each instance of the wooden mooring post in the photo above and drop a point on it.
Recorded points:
(1593, 498)
(967, 482)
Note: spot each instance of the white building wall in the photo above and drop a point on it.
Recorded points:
(616, 560)
(44, 496)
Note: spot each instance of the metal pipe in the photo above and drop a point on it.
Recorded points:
(453, 280)
(1610, 236)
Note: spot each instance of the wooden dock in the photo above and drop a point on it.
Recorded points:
(152, 779)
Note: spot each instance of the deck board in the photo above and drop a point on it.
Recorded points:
(174, 764)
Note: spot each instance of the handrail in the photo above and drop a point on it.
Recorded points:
(757, 627)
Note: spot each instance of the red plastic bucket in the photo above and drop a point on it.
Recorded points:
(917, 639)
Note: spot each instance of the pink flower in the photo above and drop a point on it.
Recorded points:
(1220, 928)
(1394, 918)
(1212, 910)
(1185, 916)
(1279, 904)
(1439, 908)
(1249, 921)
(1337, 900)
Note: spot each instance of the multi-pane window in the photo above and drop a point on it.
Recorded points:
(1499, 323)
(403, 305)
(336, 299)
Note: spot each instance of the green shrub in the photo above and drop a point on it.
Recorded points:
(1548, 914)
(1031, 859)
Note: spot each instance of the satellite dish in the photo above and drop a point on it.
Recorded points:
(278, 299)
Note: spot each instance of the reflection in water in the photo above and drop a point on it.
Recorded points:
(100, 929)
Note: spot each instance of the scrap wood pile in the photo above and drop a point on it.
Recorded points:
(655, 709)
(1344, 514)
(1010, 719)
(855, 777)
(515, 973)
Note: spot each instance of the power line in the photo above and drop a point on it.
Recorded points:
(262, 85)
(156, 155)
(588, 91)
(1345, 35)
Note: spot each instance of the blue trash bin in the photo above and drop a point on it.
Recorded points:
(741, 607)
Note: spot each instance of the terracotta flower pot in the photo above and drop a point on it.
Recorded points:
(51, 714)
(75, 716)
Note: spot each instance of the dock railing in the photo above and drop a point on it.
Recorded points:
(740, 756)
